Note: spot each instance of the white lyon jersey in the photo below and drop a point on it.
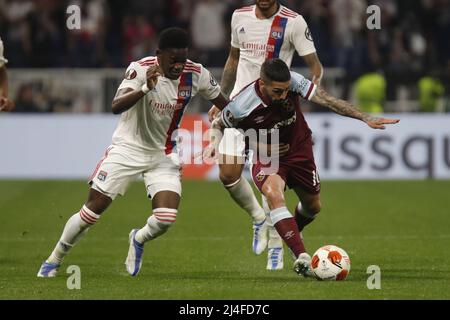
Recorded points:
(3, 61)
(151, 123)
(260, 39)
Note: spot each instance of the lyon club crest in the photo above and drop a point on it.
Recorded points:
(277, 33)
(184, 92)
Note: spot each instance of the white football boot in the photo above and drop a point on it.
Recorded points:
(133, 262)
(260, 240)
(275, 250)
(48, 270)
(302, 266)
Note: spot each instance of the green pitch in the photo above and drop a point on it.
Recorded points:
(402, 227)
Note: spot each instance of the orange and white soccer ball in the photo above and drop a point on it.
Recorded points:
(330, 263)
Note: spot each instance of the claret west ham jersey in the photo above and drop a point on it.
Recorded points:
(149, 125)
(260, 39)
(249, 110)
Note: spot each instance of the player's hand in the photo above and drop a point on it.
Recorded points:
(378, 123)
(209, 153)
(152, 76)
(213, 112)
(6, 105)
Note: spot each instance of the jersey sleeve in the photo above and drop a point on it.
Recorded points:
(3, 61)
(208, 87)
(135, 77)
(301, 37)
(240, 108)
(304, 87)
(230, 115)
(234, 32)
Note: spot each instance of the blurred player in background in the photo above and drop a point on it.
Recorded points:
(259, 32)
(5, 103)
(152, 99)
(272, 103)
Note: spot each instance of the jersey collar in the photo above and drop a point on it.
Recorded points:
(271, 17)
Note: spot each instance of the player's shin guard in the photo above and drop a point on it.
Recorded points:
(158, 224)
(302, 217)
(242, 193)
(288, 230)
(76, 227)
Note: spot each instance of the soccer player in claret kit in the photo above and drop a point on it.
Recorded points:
(272, 104)
(262, 31)
(151, 100)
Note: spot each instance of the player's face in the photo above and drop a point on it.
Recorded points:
(275, 91)
(172, 61)
(265, 5)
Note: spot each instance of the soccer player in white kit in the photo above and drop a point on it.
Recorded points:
(152, 99)
(263, 31)
(5, 103)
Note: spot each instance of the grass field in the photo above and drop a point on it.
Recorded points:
(403, 227)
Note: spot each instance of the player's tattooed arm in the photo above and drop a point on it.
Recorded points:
(228, 80)
(315, 67)
(230, 71)
(220, 102)
(345, 108)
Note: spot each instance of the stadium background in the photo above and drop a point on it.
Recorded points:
(63, 82)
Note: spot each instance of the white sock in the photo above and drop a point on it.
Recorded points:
(158, 224)
(76, 227)
(242, 193)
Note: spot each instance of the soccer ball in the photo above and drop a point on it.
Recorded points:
(330, 263)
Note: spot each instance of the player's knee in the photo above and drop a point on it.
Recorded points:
(229, 178)
(97, 202)
(275, 199)
(314, 208)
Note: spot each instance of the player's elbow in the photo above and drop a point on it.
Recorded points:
(116, 107)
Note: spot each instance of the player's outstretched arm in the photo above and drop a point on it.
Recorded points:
(345, 108)
(127, 98)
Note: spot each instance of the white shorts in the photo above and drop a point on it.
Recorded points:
(232, 143)
(120, 166)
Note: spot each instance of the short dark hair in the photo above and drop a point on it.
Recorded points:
(173, 38)
(275, 70)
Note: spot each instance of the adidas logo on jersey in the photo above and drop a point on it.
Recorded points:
(242, 30)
